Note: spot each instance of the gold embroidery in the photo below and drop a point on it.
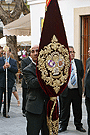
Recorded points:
(54, 63)
(53, 125)
(53, 128)
(53, 98)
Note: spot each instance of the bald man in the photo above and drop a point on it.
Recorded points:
(36, 99)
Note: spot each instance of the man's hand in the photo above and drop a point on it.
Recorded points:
(6, 65)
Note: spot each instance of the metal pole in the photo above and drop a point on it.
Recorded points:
(6, 90)
(6, 48)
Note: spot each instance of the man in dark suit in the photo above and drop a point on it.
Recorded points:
(1, 52)
(25, 62)
(87, 90)
(72, 94)
(12, 69)
(36, 99)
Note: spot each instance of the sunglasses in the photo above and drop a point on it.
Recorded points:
(71, 51)
(33, 51)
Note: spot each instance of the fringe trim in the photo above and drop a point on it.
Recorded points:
(53, 125)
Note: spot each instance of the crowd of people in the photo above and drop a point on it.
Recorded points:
(22, 54)
(35, 100)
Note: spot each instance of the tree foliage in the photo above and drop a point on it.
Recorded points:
(8, 17)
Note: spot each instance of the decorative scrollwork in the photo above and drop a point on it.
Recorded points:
(54, 63)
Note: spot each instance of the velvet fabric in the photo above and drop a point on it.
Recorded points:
(55, 114)
(53, 25)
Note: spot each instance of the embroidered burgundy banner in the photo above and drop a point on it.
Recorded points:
(53, 65)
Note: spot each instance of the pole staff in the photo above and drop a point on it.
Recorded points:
(6, 48)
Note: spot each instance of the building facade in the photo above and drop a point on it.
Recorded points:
(76, 19)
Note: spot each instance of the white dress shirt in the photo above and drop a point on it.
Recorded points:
(70, 86)
(30, 58)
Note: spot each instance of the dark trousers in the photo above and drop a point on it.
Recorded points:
(8, 98)
(76, 100)
(1, 96)
(35, 123)
(87, 102)
(24, 93)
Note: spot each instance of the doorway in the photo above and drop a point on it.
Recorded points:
(85, 39)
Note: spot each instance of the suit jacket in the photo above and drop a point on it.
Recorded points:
(10, 73)
(87, 78)
(80, 73)
(24, 63)
(36, 96)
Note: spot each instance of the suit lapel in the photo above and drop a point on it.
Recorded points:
(34, 68)
(87, 67)
(77, 65)
(3, 60)
(28, 60)
(10, 60)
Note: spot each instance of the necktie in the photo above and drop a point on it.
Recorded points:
(7, 60)
(73, 79)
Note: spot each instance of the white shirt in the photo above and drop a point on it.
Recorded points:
(24, 52)
(30, 58)
(33, 62)
(19, 53)
(70, 86)
(7, 59)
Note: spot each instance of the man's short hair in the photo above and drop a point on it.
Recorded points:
(71, 47)
(9, 49)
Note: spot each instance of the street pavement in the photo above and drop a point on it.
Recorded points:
(71, 129)
(16, 124)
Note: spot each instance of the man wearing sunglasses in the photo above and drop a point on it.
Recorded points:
(36, 99)
(72, 94)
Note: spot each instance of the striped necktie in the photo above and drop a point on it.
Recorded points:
(73, 78)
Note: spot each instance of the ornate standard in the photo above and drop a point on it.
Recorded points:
(53, 64)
